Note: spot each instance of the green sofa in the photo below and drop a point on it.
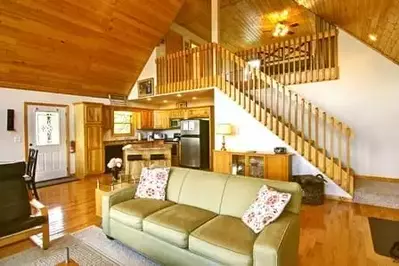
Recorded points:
(200, 221)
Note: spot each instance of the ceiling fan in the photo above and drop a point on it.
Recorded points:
(281, 27)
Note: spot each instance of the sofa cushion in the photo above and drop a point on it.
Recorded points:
(225, 239)
(267, 207)
(132, 212)
(248, 188)
(153, 183)
(174, 224)
(176, 179)
(197, 183)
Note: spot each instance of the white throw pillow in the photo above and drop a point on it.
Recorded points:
(267, 207)
(153, 183)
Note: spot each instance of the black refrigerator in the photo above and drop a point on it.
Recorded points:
(194, 143)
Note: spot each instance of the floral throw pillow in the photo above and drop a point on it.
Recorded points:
(153, 183)
(267, 207)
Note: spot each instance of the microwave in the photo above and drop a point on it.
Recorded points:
(175, 123)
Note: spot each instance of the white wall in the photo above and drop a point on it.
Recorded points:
(12, 142)
(252, 135)
(365, 97)
(149, 71)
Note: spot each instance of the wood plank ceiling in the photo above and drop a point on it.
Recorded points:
(361, 18)
(82, 47)
(244, 23)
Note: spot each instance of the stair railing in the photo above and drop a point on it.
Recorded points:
(321, 138)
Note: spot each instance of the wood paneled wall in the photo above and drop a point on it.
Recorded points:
(173, 42)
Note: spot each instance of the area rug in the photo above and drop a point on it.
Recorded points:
(87, 247)
(56, 181)
(384, 234)
(382, 194)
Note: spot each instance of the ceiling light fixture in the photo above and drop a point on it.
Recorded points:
(165, 101)
(178, 95)
(372, 37)
(280, 30)
(195, 98)
(148, 99)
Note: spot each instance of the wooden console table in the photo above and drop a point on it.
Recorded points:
(260, 165)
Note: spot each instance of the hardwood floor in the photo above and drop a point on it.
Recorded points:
(335, 233)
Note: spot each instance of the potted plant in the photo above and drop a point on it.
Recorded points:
(115, 164)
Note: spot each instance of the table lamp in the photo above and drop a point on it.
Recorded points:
(224, 130)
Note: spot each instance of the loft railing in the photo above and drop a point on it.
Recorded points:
(318, 136)
(299, 60)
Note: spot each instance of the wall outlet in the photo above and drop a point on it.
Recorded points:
(17, 139)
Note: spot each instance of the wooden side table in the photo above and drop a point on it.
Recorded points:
(106, 184)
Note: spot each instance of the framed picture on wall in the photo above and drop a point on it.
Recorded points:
(146, 87)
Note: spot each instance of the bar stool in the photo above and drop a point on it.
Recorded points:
(136, 163)
(158, 160)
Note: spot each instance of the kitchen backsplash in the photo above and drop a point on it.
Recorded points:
(109, 137)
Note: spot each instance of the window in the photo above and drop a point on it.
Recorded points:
(123, 122)
(47, 128)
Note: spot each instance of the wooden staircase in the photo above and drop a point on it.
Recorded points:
(316, 135)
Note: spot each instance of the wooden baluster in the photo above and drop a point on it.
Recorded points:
(283, 115)
(296, 121)
(311, 59)
(332, 148)
(317, 49)
(296, 63)
(305, 58)
(303, 127)
(291, 61)
(233, 79)
(324, 142)
(277, 65)
(289, 116)
(272, 75)
(348, 160)
(301, 41)
(329, 51)
(247, 84)
(169, 73)
(336, 52)
(180, 68)
(340, 154)
(174, 62)
(259, 85)
(239, 87)
(253, 86)
(278, 108)
(284, 81)
(317, 136)
(158, 75)
(310, 112)
(265, 84)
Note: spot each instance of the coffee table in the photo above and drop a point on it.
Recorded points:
(107, 184)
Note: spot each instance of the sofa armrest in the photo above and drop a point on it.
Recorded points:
(277, 244)
(112, 198)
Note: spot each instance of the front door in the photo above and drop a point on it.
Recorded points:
(47, 133)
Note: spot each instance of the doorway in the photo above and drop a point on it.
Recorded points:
(47, 130)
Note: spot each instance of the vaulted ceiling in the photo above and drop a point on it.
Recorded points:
(83, 47)
(246, 23)
(361, 18)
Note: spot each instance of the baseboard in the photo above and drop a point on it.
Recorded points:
(378, 178)
(338, 198)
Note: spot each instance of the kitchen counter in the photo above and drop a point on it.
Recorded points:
(144, 155)
(130, 141)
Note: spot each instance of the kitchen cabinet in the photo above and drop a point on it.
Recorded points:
(161, 119)
(177, 113)
(259, 165)
(201, 112)
(89, 139)
(107, 117)
(146, 119)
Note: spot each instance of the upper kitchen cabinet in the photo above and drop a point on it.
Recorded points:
(202, 112)
(93, 113)
(107, 117)
(146, 119)
(161, 119)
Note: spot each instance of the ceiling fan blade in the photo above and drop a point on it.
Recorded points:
(290, 33)
(293, 25)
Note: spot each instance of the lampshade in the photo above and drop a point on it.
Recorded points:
(224, 129)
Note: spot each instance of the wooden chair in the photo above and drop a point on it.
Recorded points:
(16, 220)
(30, 172)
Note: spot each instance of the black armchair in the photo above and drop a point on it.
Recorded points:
(16, 220)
